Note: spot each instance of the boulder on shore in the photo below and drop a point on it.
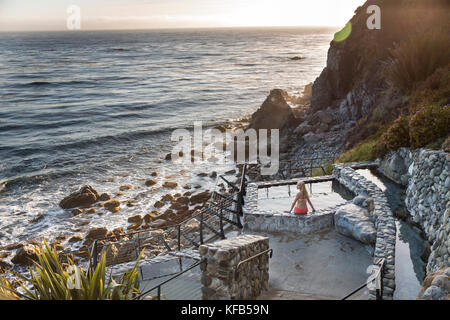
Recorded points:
(170, 184)
(84, 197)
(112, 205)
(354, 222)
(97, 233)
(26, 255)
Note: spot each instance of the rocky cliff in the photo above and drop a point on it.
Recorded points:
(353, 86)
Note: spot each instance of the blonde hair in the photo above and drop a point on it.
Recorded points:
(302, 186)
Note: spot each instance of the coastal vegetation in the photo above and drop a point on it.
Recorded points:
(425, 123)
(57, 277)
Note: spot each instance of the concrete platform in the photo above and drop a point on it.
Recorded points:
(324, 266)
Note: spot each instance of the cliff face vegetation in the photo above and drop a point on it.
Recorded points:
(394, 81)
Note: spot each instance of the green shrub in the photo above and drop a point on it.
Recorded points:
(52, 279)
(369, 149)
(397, 135)
(416, 58)
(435, 90)
(428, 125)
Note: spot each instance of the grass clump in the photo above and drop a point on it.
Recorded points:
(53, 279)
(369, 149)
(414, 59)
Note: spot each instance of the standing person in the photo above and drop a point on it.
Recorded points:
(301, 199)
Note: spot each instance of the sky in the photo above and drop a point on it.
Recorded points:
(42, 15)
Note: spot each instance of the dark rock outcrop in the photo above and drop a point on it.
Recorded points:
(85, 197)
(274, 113)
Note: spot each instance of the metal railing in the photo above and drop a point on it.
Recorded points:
(305, 167)
(218, 207)
(236, 270)
(158, 287)
(377, 277)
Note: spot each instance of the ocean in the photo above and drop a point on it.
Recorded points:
(99, 107)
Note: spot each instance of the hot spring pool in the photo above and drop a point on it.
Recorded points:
(409, 267)
(322, 194)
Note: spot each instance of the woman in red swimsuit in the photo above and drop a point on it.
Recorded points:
(300, 200)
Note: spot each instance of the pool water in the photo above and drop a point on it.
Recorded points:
(322, 195)
(409, 267)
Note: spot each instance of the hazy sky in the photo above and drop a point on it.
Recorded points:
(141, 14)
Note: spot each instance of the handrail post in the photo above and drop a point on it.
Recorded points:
(222, 232)
(159, 292)
(201, 227)
(179, 237)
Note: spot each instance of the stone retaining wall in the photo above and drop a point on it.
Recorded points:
(426, 174)
(221, 280)
(383, 219)
(272, 221)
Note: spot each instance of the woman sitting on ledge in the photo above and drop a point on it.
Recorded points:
(300, 200)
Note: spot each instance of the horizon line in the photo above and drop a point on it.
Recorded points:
(170, 28)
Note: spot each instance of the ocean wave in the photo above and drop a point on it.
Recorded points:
(33, 179)
(48, 83)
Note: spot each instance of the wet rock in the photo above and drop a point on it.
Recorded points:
(97, 233)
(90, 211)
(112, 205)
(150, 216)
(4, 266)
(202, 174)
(77, 212)
(26, 255)
(154, 174)
(137, 219)
(104, 197)
(85, 197)
(13, 246)
(159, 204)
(125, 188)
(150, 182)
(213, 175)
(353, 221)
(200, 198)
(170, 184)
(167, 197)
(158, 224)
(133, 227)
(75, 239)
